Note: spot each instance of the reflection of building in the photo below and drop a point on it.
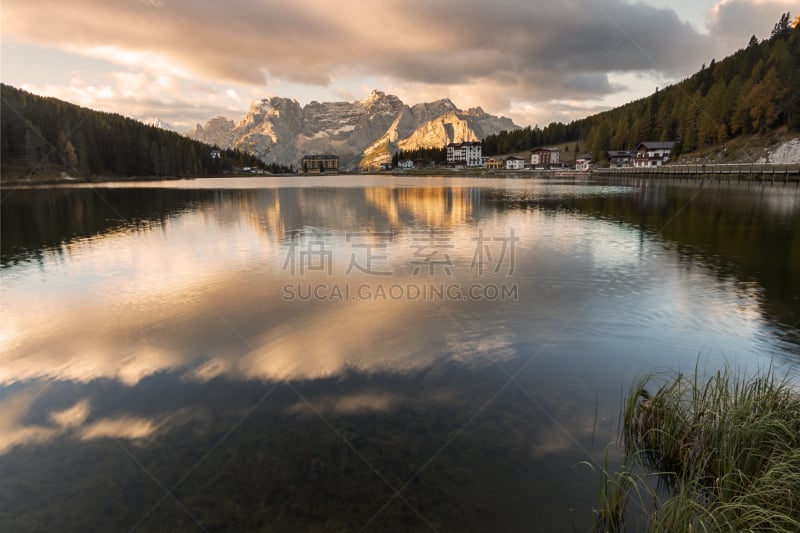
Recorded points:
(583, 162)
(619, 158)
(216, 154)
(319, 163)
(652, 153)
(543, 157)
(466, 153)
(515, 163)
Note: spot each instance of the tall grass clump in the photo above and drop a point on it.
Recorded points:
(724, 451)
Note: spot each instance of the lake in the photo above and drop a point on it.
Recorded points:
(363, 353)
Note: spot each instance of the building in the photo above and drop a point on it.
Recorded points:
(515, 163)
(492, 162)
(652, 153)
(318, 163)
(583, 162)
(216, 153)
(468, 154)
(544, 157)
(405, 164)
(619, 158)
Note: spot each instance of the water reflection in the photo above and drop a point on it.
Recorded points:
(161, 318)
(204, 289)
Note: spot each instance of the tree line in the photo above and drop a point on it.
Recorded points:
(423, 155)
(42, 134)
(753, 90)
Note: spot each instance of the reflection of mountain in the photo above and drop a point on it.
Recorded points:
(230, 247)
(430, 206)
(39, 220)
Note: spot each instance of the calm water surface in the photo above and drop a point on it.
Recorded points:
(362, 353)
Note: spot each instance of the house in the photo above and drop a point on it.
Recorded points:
(405, 164)
(583, 162)
(318, 163)
(515, 163)
(493, 162)
(619, 158)
(652, 153)
(216, 153)
(544, 157)
(465, 153)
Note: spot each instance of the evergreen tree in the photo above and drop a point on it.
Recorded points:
(49, 132)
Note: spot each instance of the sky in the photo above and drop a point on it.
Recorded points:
(185, 61)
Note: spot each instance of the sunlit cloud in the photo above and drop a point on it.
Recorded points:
(473, 52)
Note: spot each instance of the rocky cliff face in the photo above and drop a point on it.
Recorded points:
(363, 133)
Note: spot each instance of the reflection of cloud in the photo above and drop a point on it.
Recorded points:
(12, 431)
(352, 403)
(332, 339)
(203, 297)
(476, 348)
(72, 422)
(124, 427)
(208, 370)
(74, 416)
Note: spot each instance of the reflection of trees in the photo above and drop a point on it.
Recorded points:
(35, 220)
(751, 233)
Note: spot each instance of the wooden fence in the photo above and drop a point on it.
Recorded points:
(746, 171)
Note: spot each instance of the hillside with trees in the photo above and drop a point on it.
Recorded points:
(42, 137)
(421, 155)
(755, 90)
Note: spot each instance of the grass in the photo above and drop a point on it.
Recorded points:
(715, 454)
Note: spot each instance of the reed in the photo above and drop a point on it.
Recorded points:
(725, 451)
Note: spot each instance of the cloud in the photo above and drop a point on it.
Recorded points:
(536, 46)
(476, 53)
(732, 22)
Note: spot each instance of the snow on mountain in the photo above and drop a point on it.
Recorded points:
(158, 123)
(362, 133)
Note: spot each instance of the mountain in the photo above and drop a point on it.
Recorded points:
(363, 133)
(725, 107)
(46, 138)
(158, 123)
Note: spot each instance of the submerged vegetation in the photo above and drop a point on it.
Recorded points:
(717, 454)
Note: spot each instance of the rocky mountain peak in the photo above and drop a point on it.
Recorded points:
(373, 96)
(362, 133)
(158, 123)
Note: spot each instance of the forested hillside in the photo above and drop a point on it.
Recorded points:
(754, 90)
(44, 136)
